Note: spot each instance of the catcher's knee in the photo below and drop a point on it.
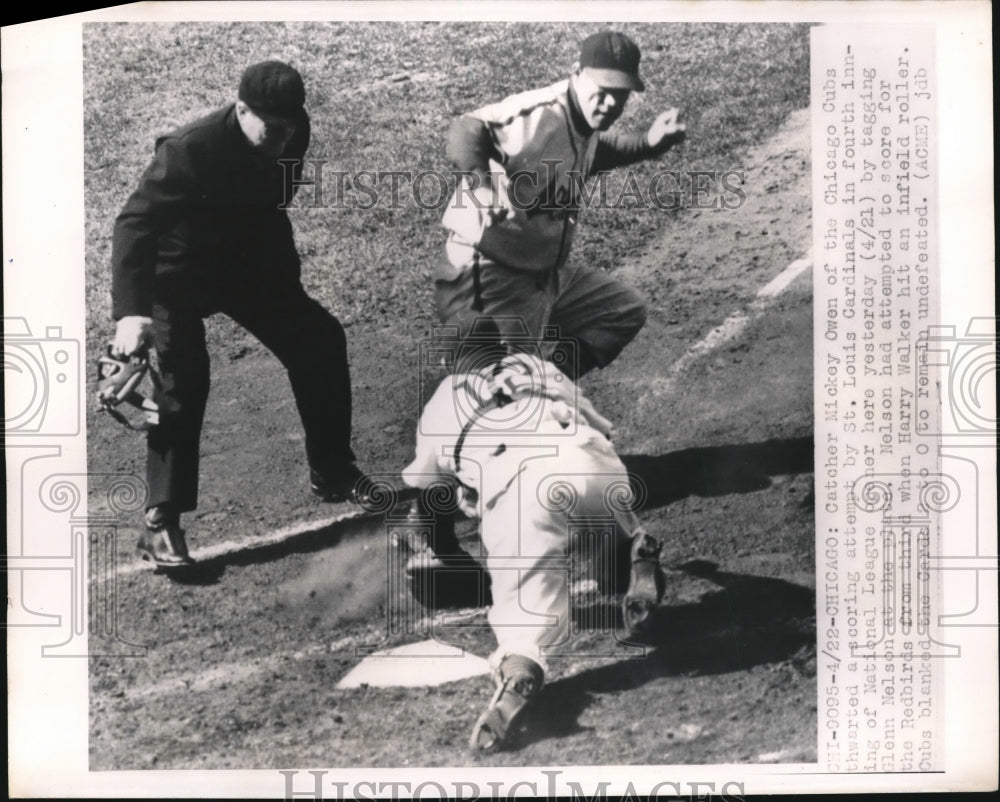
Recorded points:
(602, 345)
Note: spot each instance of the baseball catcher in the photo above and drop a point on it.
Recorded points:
(524, 163)
(529, 456)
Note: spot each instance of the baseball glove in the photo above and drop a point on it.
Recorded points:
(118, 380)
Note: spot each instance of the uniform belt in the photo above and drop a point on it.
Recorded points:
(499, 400)
(477, 283)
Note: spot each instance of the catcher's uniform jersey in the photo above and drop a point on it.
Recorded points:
(532, 455)
(528, 129)
(540, 154)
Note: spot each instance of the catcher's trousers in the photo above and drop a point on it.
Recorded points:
(539, 534)
(583, 315)
(309, 342)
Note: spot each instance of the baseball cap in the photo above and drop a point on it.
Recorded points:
(612, 60)
(273, 87)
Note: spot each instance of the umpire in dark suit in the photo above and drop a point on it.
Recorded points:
(206, 231)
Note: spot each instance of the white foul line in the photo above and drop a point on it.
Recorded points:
(254, 542)
(785, 277)
(729, 329)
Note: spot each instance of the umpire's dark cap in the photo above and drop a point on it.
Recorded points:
(273, 87)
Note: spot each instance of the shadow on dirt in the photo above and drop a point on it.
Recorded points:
(750, 620)
(716, 471)
(366, 522)
(207, 572)
(708, 471)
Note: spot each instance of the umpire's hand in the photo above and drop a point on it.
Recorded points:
(666, 130)
(132, 334)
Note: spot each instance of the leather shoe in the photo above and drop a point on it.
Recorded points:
(519, 681)
(163, 541)
(343, 483)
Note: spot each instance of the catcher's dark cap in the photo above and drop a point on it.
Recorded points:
(273, 87)
(612, 60)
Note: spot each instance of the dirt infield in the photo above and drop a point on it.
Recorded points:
(240, 661)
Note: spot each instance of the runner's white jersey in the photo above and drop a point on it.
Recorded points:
(481, 427)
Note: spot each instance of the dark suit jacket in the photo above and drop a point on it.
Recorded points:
(207, 216)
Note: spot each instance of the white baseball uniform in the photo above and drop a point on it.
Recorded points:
(534, 461)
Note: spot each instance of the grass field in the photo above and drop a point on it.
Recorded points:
(381, 98)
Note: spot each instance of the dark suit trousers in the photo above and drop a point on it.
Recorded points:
(308, 341)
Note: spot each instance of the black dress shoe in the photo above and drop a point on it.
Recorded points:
(163, 541)
(344, 483)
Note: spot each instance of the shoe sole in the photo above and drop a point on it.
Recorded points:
(149, 557)
(498, 724)
(644, 593)
(336, 498)
(490, 734)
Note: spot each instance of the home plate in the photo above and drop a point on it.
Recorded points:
(428, 662)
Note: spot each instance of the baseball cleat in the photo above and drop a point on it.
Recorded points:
(433, 512)
(646, 583)
(518, 682)
(452, 581)
(344, 483)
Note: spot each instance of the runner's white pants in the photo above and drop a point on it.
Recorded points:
(527, 534)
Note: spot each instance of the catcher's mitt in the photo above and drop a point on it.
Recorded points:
(118, 381)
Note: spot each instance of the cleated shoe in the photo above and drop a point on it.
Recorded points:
(343, 483)
(518, 682)
(163, 541)
(448, 582)
(646, 584)
(434, 511)
(440, 574)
